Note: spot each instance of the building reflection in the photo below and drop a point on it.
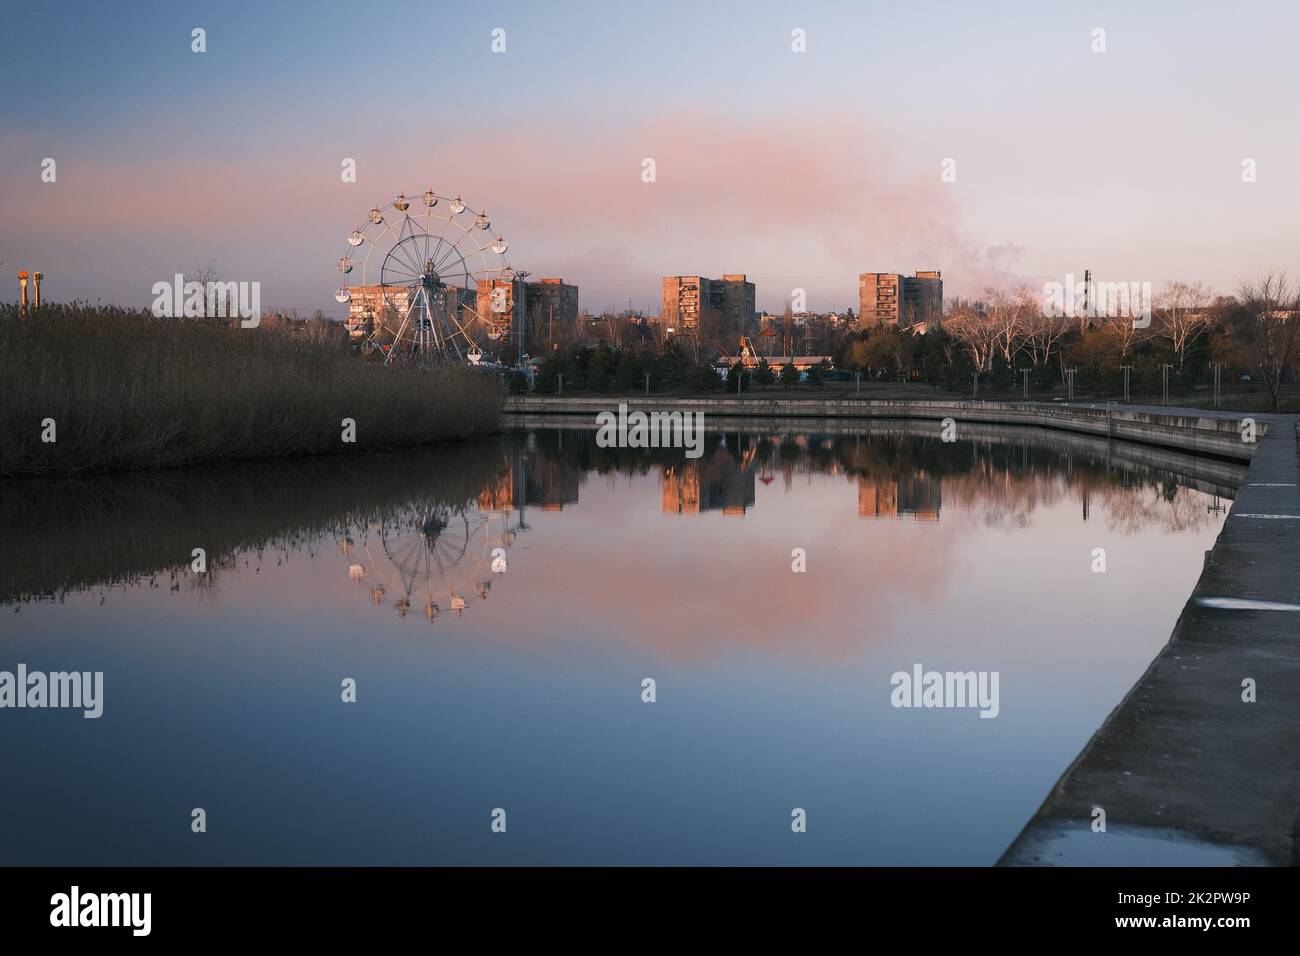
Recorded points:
(550, 485)
(443, 511)
(899, 474)
(717, 482)
(877, 499)
(915, 496)
(920, 497)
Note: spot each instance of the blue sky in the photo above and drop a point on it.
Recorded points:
(800, 169)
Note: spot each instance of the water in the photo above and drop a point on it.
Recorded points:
(222, 691)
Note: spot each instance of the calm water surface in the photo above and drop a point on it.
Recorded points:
(480, 689)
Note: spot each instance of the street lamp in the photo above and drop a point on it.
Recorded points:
(1164, 375)
(517, 309)
(1126, 369)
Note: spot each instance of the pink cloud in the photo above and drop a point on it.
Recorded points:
(809, 202)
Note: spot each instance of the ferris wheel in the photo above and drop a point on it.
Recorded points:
(411, 281)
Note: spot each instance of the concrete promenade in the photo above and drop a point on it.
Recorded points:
(1184, 764)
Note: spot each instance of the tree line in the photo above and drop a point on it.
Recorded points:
(1006, 334)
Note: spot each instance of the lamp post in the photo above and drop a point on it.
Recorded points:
(518, 308)
(1069, 381)
(1126, 369)
(1218, 378)
(1024, 375)
(1164, 375)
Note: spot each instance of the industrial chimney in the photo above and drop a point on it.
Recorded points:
(22, 281)
(37, 277)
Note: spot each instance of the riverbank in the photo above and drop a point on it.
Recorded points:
(91, 389)
(1204, 433)
(1214, 476)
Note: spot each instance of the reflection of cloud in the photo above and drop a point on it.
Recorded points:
(691, 598)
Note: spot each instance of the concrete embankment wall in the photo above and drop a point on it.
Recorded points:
(1212, 475)
(1209, 435)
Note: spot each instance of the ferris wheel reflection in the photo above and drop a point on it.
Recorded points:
(434, 557)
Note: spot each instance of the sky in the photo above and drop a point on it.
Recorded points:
(800, 169)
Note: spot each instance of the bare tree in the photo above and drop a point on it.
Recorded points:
(1044, 335)
(1011, 314)
(1183, 310)
(1126, 327)
(202, 275)
(715, 333)
(614, 328)
(1271, 310)
(536, 331)
(979, 331)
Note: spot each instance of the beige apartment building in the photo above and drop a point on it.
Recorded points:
(372, 306)
(730, 301)
(904, 301)
(498, 299)
(368, 308)
(549, 308)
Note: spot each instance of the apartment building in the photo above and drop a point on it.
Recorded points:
(889, 297)
(498, 300)
(923, 298)
(552, 311)
(726, 304)
(372, 306)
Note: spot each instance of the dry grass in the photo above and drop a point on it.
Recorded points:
(127, 390)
